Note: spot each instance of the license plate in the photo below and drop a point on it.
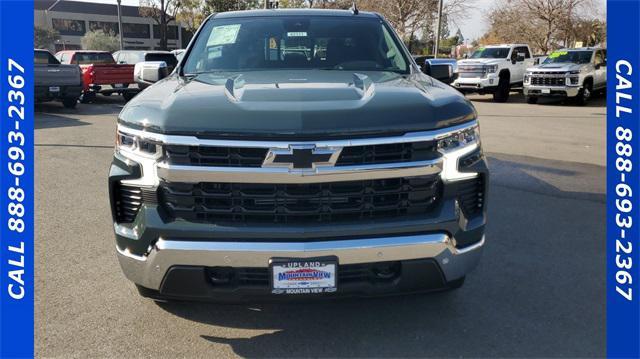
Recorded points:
(303, 276)
(546, 90)
(54, 88)
(118, 86)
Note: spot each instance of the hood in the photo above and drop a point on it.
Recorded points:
(559, 67)
(313, 103)
(476, 62)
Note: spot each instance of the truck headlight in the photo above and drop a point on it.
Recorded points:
(457, 145)
(491, 69)
(132, 144)
(460, 139)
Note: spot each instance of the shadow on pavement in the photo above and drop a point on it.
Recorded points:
(54, 121)
(538, 292)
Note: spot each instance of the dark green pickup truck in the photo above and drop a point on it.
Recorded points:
(296, 153)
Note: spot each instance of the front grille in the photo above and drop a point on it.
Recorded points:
(548, 81)
(220, 203)
(471, 196)
(390, 153)
(254, 157)
(214, 156)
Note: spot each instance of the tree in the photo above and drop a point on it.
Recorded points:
(162, 12)
(412, 18)
(191, 14)
(44, 38)
(99, 40)
(549, 23)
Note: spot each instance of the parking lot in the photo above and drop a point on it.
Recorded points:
(538, 292)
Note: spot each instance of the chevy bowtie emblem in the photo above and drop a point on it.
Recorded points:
(301, 157)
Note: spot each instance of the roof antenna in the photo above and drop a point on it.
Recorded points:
(354, 8)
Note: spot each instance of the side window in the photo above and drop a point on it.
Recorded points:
(598, 58)
(64, 58)
(527, 54)
(118, 57)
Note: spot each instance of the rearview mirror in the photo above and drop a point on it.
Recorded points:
(440, 72)
(147, 73)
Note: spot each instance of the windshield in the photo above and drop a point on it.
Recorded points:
(577, 57)
(85, 58)
(296, 42)
(491, 53)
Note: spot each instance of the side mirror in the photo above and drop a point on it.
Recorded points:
(150, 72)
(520, 57)
(440, 72)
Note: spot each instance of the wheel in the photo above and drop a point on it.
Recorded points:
(502, 92)
(584, 94)
(128, 95)
(87, 97)
(455, 284)
(69, 102)
(532, 100)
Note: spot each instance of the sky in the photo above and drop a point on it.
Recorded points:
(472, 28)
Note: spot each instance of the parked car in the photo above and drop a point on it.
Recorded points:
(133, 57)
(253, 170)
(570, 73)
(494, 69)
(53, 81)
(100, 73)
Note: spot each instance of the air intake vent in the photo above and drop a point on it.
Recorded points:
(471, 196)
(128, 200)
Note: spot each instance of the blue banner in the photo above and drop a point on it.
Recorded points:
(623, 179)
(16, 179)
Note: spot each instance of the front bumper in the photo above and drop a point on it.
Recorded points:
(553, 91)
(477, 84)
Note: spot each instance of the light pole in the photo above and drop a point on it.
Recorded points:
(120, 25)
(435, 53)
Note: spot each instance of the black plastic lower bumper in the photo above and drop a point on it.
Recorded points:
(251, 284)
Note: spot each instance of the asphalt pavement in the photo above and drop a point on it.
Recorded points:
(539, 290)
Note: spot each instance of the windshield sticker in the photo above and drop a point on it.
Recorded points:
(297, 34)
(223, 35)
(480, 49)
(557, 54)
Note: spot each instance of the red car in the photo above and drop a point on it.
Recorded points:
(100, 73)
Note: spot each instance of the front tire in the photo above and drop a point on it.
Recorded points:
(87, 97)
(502, 92)
(69, 102)
(584, 95)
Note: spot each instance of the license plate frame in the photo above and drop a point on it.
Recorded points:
(54, 88)
(118, 86)
(545, 91)
(294, 276)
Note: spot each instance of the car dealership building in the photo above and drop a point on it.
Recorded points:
(73, 19)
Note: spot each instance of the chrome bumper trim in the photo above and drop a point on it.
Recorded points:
(195, 141)
(149, 270)
(320, 174)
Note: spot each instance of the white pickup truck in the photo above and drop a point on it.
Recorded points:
(494, 69)
(570, 73)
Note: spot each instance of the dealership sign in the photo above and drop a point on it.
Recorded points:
(623, 180)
